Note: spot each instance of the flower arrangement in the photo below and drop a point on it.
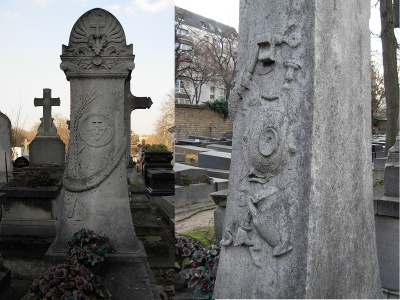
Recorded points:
(183, 179)
(184, 249)
(88, 248)
(68, 282)
(204, 271)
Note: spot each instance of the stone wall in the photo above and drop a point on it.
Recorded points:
(199, 120)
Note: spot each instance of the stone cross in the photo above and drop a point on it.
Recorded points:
(97, 25)
(131, 103)
(47, 102)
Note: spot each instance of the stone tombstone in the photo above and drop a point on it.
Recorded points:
(299, 218)
(5, 147)
(47, 149)
(97, 63)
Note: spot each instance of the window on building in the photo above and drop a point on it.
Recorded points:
(177, 85)
(203, 25)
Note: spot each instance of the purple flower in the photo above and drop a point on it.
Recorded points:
(55, 281)
(69, 284)
(45, 288)
(81, 296)
(186, 251)
(61, 273)
(88, 287)
(79, 281)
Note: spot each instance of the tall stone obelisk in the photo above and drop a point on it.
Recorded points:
(97, 63)
(299, 221)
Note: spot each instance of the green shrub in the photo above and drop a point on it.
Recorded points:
(155, 148)
(220, 106)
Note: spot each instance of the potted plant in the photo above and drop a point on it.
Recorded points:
(68, 282)
(88, 248)
(157, 154)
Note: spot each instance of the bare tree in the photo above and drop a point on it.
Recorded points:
(222, 49)
(164, 121)
(377, 89)
(390, 75)
(203, 56)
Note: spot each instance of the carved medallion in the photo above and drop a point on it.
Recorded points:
(268, 142)
(97, 130)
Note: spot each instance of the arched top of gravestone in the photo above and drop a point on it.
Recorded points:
(97, 46)
(5, 127)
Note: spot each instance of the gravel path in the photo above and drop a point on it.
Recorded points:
(194, 219)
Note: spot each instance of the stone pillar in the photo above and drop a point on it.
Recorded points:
(299, 219)
(97, 63)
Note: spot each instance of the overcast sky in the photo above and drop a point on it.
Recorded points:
(33, 31)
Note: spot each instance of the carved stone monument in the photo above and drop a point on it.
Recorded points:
(47, 149)
(5, 148)
(97, 62)
(299, 219)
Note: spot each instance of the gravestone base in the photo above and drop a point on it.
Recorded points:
(29, 211)
(47, 151)
(127, 276)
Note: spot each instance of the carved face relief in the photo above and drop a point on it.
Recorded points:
(97, 130)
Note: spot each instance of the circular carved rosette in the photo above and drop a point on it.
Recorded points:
(97, 130)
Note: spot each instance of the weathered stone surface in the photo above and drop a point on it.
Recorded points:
(215, 160)
(47, 151)
(299, 219)
(5, 146)
(387, 241)
(97, 62)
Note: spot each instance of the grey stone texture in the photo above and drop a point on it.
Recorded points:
(180, 157)
(221, 148)
(215, 160)
(5, 146)
(387, 241)
(95, 177)
(387, 238)
(391, 174)
(220, 199)
(299, 219)
(194, 172)
(47, 151)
